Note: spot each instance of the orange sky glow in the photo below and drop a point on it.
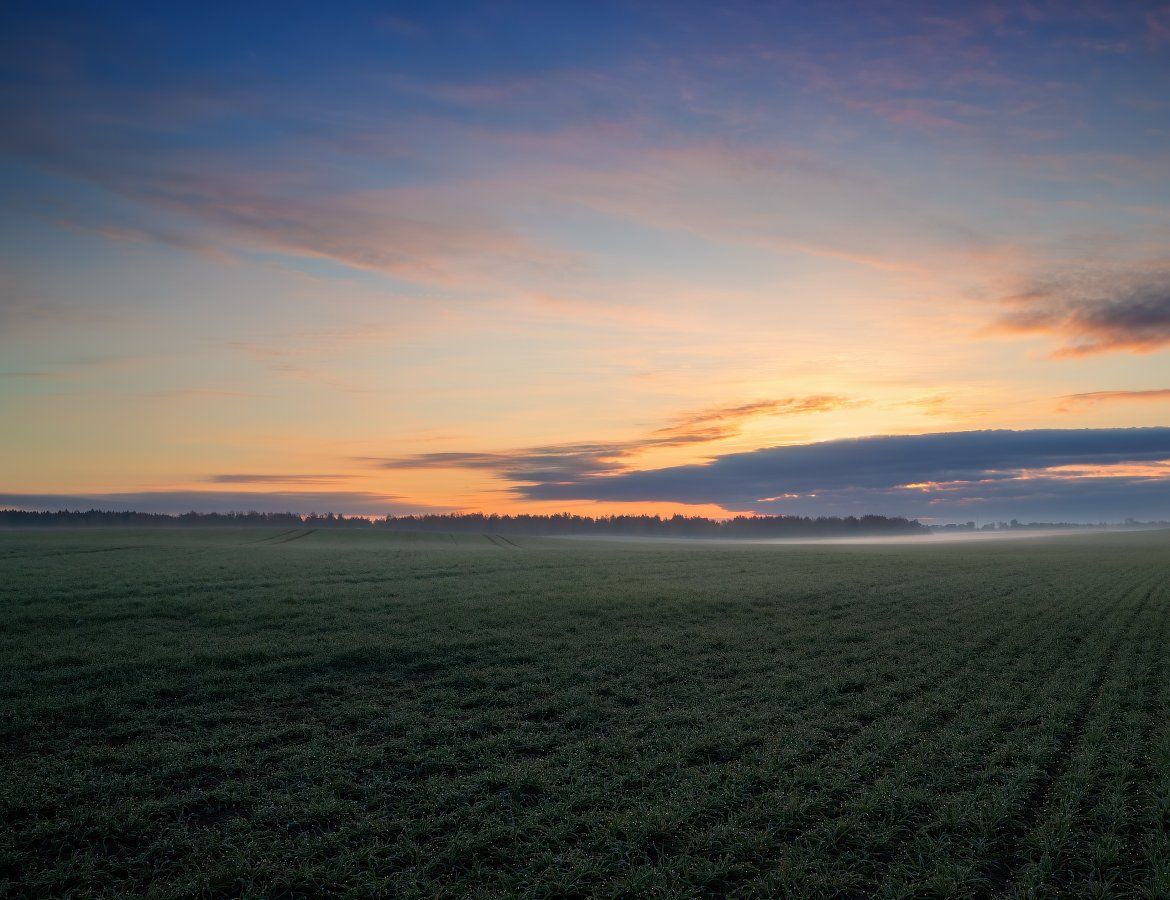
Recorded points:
(431, 269)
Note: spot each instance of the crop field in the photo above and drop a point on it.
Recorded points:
(306, 713)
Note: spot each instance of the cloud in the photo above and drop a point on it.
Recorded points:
(342, 502)
(127, 234)
(778, 199)
(1073, 401)
(84, 367)
(246, 478)
(931, 404)
(400, 26)
(19, 313)
(412, 234)
(1158, 23)
(929, 116)
(467, 229)
(564, 463)
(1013, 473)
(1096, 314)
(227, 200)
(722, 416)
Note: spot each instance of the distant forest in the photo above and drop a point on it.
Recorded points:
(559, 524)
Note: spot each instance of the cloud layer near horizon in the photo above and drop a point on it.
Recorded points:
(357, 503)
(1080, 475)
(1076, 474)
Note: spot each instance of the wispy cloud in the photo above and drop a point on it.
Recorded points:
(931, 404)
(19, 313)
(1158, 23)
(343, 502)
(83, 368)
(1096, 314)
(569, 461)
(407, 233)
(229, 205)
(400, 26)
(1075, 401)
(250, 478)
(723, 421)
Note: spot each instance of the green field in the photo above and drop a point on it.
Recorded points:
(296, 714)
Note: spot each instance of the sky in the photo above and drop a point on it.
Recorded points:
(711, 258)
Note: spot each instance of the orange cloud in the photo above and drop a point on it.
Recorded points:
(1092, 398)
(570, 461)
(1101, 313)
(723, 420)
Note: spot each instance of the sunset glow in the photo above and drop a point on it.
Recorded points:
(528, 258)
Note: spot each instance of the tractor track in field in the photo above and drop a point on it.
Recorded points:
(803, 825)
(1003, 876)
(952, 712)
(889, 758)
(272, 538)
(1143, 766)
(76, 552)
(994, 638)
(295, 537)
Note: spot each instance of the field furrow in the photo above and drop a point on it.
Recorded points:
(230, 712)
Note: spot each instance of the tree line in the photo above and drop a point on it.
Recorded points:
(555, 524)
(656, 526)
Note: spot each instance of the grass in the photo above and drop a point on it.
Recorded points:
(268, 713)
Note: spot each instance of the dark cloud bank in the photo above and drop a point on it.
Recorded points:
(953, 476)
(174, 502)
(978, 474)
